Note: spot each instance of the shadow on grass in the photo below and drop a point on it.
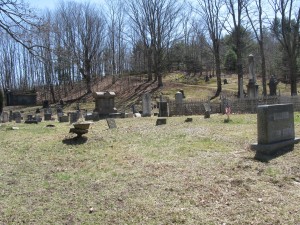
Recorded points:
(268, 157)
(75, 140)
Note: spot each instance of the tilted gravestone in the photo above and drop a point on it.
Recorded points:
(111, 123)
(275, 128)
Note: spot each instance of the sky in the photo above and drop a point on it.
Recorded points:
(50, 4)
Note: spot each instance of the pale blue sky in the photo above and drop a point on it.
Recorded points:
(50, 4)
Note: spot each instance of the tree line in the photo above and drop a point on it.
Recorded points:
(82, 41)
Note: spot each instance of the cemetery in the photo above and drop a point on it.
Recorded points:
(177, 151)
(150, 112)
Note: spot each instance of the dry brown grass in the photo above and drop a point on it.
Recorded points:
(180, 173)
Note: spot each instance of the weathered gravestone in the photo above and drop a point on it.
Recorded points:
(17, 117)
(161, 121)
(63, 119)
(146, 104)
(163, 109)
(73, 117)
(275, 129)
(179, 101)
(111, 123)
(5, 117)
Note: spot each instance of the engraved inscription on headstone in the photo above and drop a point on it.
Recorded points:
(275, 128)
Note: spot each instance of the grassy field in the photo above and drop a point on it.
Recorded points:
(201, 172)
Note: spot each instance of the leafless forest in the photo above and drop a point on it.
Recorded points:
(82, 41)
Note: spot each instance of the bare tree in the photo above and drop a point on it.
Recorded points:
(19, 22)
(286, 27)
(236, 10)
(211, 13)
(83, 28)
(156, 21)
(257, 26)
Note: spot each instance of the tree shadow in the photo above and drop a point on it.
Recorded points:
(75, 140)
(259, 156)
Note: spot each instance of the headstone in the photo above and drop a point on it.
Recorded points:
(187, 120)
(47, 116)
(31, 119)
(18, 120)
(73, 117)
(163, 109)
(182, 92)
(105, 102)
(134, 109)
(275, 128)
(146, 104)
(89, 116)
(207, 110)
(161, 121)
(63, 119)
(38, 118)
(5, 117)
(111, 123)
(96, 116)
(225, 81)
(178, 103)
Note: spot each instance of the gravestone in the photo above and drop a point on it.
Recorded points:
(178, 102)
(63, 119)
(5, 117)
(111, 123)
(89, 116)
(73, 117)
(163, 109)
(134, 110)
(47, 116)
(17, 117)
(96, 116)
(275, 128)
(161, 121)
(146, 104)
(182, 92)
(105, 102)
(207, 110)
(31, 119)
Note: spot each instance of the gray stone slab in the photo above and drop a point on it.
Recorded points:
(111, 123)
(146, 104)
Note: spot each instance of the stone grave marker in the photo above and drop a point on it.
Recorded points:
(146, 104)
(63, 119)
(47, 116)
(179, 101)
(163, 109)
(275, 129)
(73, 117)
(161, 121)
(111, 123)
(5, 117)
